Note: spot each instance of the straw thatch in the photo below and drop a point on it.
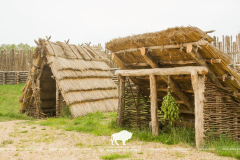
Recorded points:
(172, 52)
(74, 75)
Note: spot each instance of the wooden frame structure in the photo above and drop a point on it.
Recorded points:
(197, 75)
(149, 58)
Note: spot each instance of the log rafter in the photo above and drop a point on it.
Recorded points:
(173, 85)
(162, 47)
(166, 62)
(200, 61)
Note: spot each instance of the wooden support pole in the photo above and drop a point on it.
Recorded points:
(57, 102)
(198, 83)
(200, 61)
(150, 60)
(154, 105)
(121, 100)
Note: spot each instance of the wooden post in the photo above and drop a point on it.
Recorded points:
(138, 115)
(17, 77)
(57, 101)
(12, 59)
(121, 99)
(198, 83)
(1, 61)
(4, 78)
(154, 105)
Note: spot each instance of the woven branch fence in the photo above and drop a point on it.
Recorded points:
(15, 60)
(221, 112)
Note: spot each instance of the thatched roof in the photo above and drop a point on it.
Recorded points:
(80, 73)
(171, 52)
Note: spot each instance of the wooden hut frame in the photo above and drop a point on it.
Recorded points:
(198, 76)
(151, 57)
(66, 74)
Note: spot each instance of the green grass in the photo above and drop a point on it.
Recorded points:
(105, 124)
(116, 156)
(9, 106)
(224, 146)
(5, 142)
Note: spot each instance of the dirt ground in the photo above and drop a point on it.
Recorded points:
(20, 140)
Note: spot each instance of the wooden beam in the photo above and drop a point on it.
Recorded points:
(154, 105)
(121, 100)
(121, 65)
(200, 61)
(165, 90)
(174, 87)
(198, 82)
(163, 71)
(188, 112)
(162, 47)
(187, 77)
(166, 62)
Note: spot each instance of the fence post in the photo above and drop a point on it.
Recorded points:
(4, 78)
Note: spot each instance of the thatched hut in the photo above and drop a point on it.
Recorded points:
(66, 74)
(200, 77)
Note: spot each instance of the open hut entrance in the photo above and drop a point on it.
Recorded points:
(198, 83)
(47, 92)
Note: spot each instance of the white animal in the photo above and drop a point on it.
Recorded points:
(123, 136)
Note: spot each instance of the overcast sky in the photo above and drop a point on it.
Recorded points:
(99, 21)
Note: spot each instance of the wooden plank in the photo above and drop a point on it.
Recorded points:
(198, 83)
(154, 105)
(121, 100)
(163, 71)
(200, 61)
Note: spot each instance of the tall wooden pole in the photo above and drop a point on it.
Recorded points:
(154, 105)
(121, 100)
(57, 101)
(198, 83)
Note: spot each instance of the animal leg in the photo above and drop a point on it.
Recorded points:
(124, 142)
(116, 142)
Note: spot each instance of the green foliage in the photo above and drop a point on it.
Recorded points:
(116, 156)
(9, 105)
(66, 111)
(21, 46)
(169, 109)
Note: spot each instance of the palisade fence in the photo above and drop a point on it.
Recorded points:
(14, 66)
(15, 60)
(229, 47)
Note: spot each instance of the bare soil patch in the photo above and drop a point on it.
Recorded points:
(20, 140)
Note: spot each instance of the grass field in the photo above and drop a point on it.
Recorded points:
(104, 124)
(9, 105)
